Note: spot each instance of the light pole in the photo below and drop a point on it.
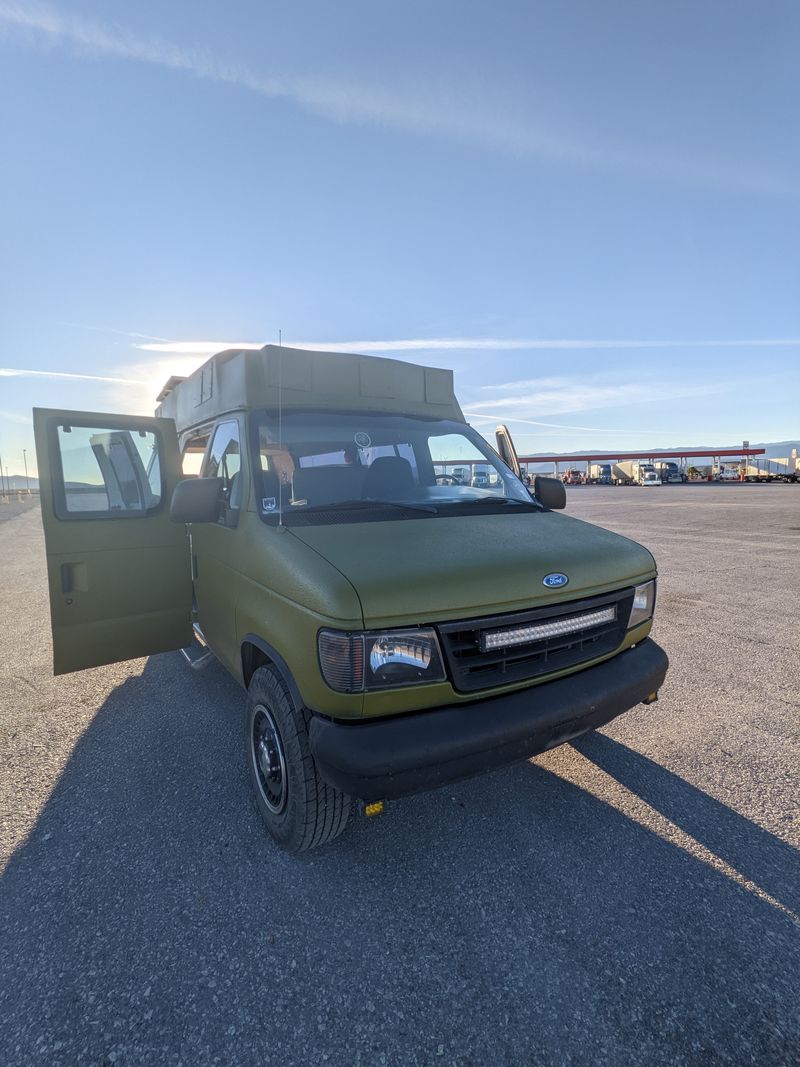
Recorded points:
(25, 462)
(2, 483)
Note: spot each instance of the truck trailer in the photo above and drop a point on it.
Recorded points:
(786, 469)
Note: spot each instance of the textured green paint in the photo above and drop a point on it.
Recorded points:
(287, 593)
(132, 594)
(217, 589)
(438, 569)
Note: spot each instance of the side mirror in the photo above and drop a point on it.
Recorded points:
(196, 500)
(550, 493)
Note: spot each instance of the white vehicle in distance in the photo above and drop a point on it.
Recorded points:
(650, 478)
(726, 474)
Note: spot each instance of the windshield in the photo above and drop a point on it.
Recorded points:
(356, 467)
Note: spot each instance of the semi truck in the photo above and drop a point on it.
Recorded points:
(573, 476)
(600, 474)
(631, 472)
(669, 472)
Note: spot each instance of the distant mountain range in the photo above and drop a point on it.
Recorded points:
(775, 449)
(18, 481)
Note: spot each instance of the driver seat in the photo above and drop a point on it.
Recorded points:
(389, 478)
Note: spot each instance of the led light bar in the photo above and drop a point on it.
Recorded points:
(522, 635)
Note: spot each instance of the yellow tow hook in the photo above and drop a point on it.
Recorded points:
(374, 808)
(651, 699)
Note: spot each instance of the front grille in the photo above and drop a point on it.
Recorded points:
(500, 649)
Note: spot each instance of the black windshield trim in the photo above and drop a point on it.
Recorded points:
(365, 504)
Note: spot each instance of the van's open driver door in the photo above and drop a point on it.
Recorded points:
(505, 446)
(119, 571)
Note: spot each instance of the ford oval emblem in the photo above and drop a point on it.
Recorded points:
(555, 581)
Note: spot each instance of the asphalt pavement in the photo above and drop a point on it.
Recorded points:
(630, 898)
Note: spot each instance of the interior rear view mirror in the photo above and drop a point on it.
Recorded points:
(196, 500)
(550, 492)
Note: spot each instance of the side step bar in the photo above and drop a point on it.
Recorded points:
(198, 655)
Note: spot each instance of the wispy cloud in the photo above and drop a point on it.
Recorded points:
(502, 418)
(24, 372)
(468, 114)
(523, 401)
(197, 348)
(465, 344)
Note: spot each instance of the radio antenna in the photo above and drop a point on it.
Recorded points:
(280, 426)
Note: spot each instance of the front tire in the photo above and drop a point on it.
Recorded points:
(299, 809)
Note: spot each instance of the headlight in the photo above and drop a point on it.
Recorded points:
(388, 659)
(644, 602)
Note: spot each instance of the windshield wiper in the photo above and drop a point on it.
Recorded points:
(361, 504)
(495, 501)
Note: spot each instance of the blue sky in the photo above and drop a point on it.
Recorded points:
(591, 212)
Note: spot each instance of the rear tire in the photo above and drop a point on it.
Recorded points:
(299, 809)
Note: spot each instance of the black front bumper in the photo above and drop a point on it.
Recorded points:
(424, 750)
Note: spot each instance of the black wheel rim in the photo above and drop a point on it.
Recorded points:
(269, 762)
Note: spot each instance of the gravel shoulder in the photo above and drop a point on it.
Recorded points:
(10, 507)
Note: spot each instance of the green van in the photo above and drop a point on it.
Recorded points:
(396, 628)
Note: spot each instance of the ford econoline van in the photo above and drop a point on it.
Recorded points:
(394, 631)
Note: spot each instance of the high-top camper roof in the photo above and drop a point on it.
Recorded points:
(240, 379)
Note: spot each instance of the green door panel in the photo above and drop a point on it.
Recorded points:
(118, 570)
(216, 586)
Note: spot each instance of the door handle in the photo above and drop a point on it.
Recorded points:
(67, 578)
(74, 578)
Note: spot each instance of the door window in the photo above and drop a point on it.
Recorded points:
(194, 451)
(106, 472)
(225, 462)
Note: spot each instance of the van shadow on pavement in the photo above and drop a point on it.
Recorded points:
(512, 919)
(759, 856)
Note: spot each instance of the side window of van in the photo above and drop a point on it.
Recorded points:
(106, 472)
(192, 455)
(225, 461)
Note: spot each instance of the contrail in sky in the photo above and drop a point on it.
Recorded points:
(420, 109)
(477, 344)
(551, 425)
(17, 372)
